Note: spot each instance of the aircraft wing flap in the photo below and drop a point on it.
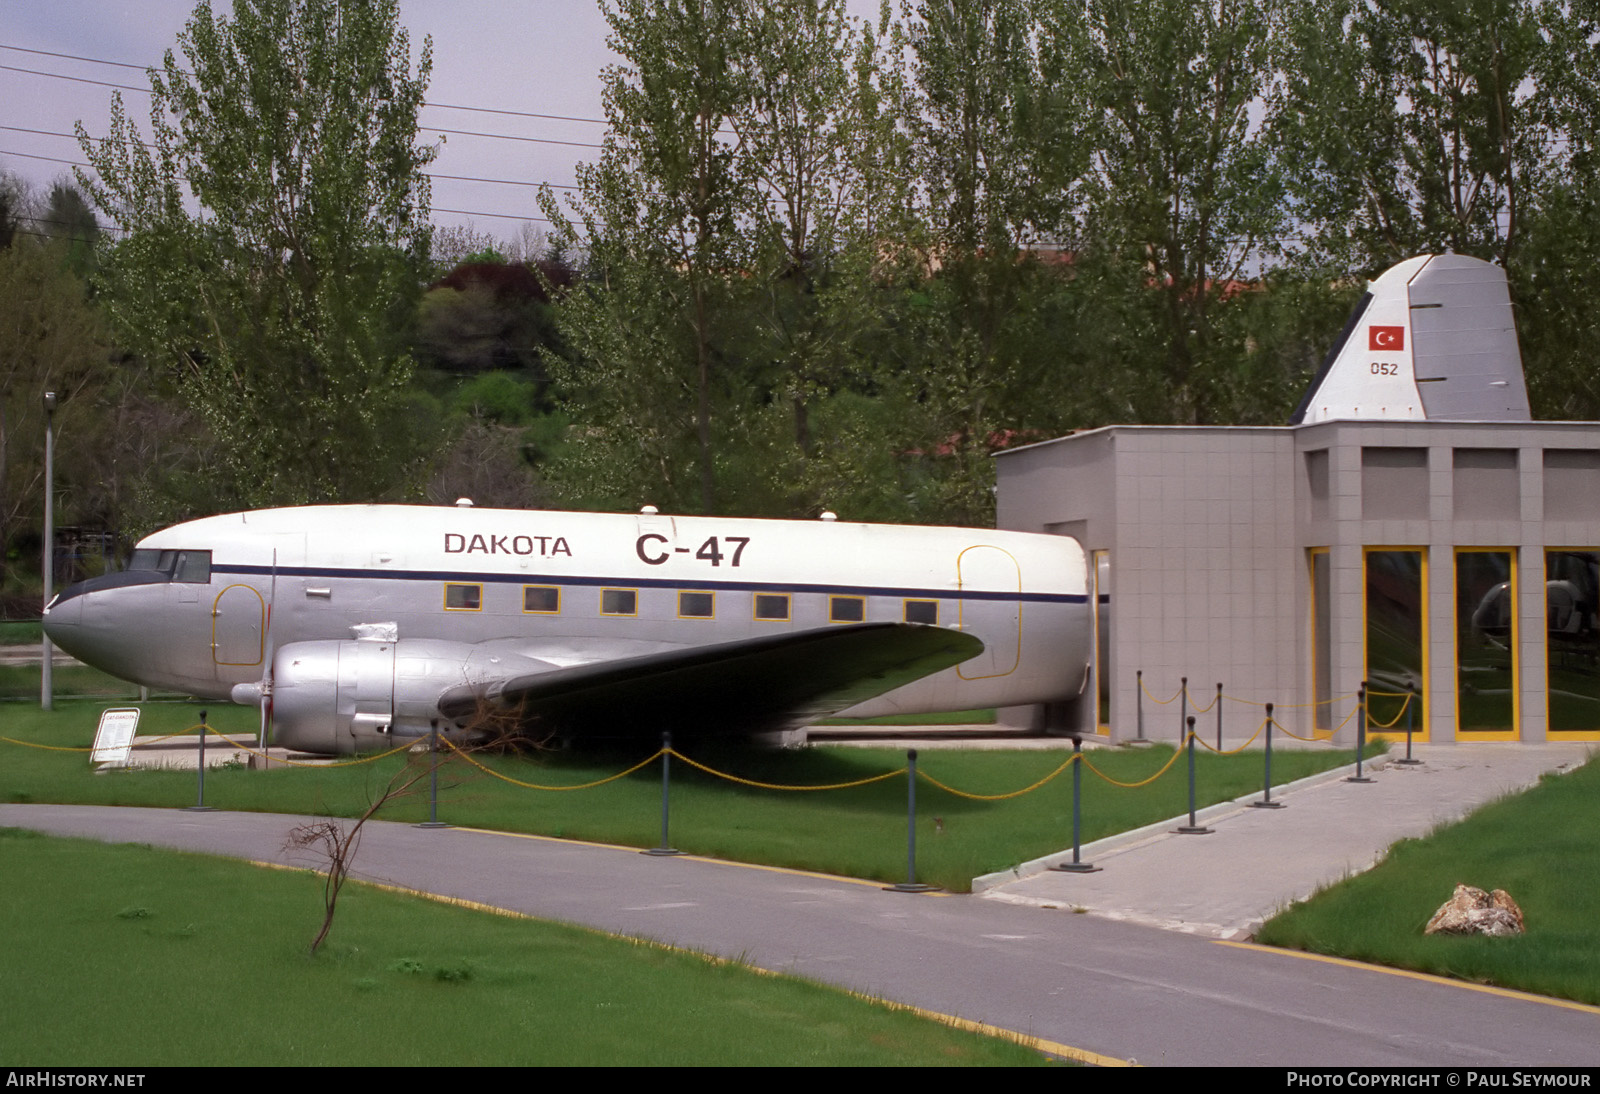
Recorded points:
(741, 686)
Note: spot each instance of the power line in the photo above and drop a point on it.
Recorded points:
(441, 106)
(424, 128)
(75, 79)
(426, 174)
(500, 216)
(517, 113)
(508, 137)
(47, 159)
(502, 182)
(72, 224)
(73, 57)
(435, 209)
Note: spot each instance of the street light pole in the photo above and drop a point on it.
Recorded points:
(46, 696)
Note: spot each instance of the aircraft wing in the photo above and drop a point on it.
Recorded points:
(731, 687)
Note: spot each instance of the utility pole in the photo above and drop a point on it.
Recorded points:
(46, 696)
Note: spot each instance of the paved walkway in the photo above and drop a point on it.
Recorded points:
(1256, 861)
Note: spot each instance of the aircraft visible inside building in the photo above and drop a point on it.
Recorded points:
(354, 627)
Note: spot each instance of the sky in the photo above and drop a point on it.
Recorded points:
(532, 56)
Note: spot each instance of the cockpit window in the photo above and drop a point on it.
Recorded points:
(191, 567)
(147, 558)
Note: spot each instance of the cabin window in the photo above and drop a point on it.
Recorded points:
(463, 598)
(922, 611)
(772, 606)
(696, 605)
(619, 602)
(543, 599)
(847, 609)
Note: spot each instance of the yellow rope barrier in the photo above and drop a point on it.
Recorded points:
(90, 748)
(1204, 709)
(775, 786)
(1231, 751)
(46, 748)
(1292, 706)
(374, 758)
(174, 736)
(537, 786)
(1331, 732)
(1132, 786)
(1389, 724)
(1160, 702)
(997, 797)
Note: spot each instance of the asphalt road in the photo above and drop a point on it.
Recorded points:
(1117, 989)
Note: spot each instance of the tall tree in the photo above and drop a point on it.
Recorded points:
(51, 339)
(1558, 314)
(1182, 196)
(71, 223)
(1412, 126)
(660, 215)
(997, 174)
(276, 226)
(822, 131)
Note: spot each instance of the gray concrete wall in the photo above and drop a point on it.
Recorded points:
(1210, 528)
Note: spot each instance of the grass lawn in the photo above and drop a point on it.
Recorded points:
(67, 681)
(21, 632)
(125, 956)
(856, 832)
(1542, 847)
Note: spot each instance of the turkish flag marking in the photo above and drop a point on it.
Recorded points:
(1386, 338)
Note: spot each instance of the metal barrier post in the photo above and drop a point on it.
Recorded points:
(1219, 717)
(433, 779)
(666, 795)
(200, 805)
(1139, 705)
(1077, 865)
(1266, 801)
(1193, 828)
(1361, 735)
(1183, 709)
(911, 884)
(1411, 708)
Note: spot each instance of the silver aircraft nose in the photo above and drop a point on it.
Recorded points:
(77, 620)
(62, 617)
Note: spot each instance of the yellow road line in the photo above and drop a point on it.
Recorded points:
(1427, 977)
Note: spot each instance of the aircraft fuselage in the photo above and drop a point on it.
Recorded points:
(205, 605)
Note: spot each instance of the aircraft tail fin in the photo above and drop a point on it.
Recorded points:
(1432, 338)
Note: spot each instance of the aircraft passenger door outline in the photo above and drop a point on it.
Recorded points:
(238, 626)
(992, 569)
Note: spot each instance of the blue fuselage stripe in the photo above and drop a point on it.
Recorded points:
(461, 577)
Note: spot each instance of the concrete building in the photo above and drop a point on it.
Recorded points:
(1459, 559)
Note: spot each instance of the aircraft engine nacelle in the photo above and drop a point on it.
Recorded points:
(354, 696)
